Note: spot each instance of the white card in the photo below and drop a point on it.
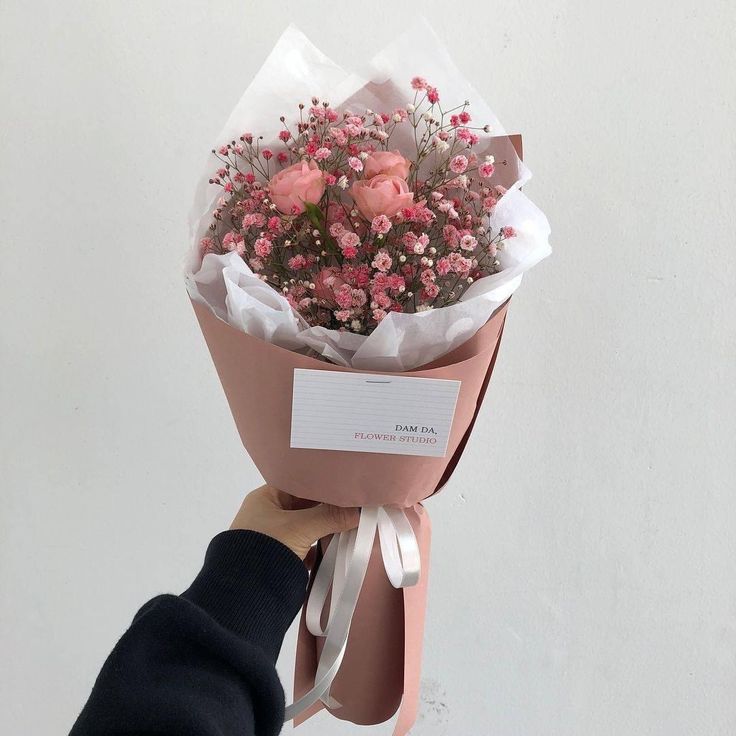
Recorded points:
(369, 412)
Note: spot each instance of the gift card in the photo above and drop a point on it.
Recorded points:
(370, 412)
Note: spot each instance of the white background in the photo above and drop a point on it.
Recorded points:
(584, 571)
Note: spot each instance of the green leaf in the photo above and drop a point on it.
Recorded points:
(315, 214)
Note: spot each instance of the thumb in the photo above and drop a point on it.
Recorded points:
(323, 519)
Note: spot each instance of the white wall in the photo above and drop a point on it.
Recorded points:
(584, 572)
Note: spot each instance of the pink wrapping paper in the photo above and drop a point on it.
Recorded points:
(257, 378)
(382, 660)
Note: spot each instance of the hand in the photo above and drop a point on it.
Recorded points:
(296, 523)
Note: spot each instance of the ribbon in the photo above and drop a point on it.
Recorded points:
(342, 571)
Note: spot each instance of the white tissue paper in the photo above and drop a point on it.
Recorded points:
(294, 72)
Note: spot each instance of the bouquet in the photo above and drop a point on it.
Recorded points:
(351, 275)
(346, 228)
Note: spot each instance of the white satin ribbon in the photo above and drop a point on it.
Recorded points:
(342, 570)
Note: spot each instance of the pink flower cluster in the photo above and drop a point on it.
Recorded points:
(349, 229)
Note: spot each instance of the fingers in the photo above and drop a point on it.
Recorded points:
(324, 519)
(292, 503)
(292, 521)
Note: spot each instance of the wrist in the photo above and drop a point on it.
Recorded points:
(252, 585)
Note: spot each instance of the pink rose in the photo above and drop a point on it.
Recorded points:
(391, 163)
(326, 283)
(381, 195)
(295, 185)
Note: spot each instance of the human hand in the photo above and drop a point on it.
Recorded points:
(295, 523)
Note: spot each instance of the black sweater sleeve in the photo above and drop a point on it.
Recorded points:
(204, 662)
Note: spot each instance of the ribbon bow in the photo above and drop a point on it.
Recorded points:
(343, 570)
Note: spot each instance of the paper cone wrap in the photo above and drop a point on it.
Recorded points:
(382, 660)
(258, 377)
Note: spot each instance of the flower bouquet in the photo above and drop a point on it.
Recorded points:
(351, 274)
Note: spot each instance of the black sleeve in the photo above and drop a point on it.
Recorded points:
(204, 662)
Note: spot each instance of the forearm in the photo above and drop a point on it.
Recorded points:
(203, 662)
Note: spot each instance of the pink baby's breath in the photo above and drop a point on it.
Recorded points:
(234, 242)
(253, 219)
(263, 247)
(443, 266)
(459, 164)
(297, 262)
(468, 242)
(467, 136)
(395, 282)
(351, 227)
(459, 264)
(382, 261)
(359, 297)
(344, 296)
(349, 240)
(338, 135)
(489, 203)
(380, 224)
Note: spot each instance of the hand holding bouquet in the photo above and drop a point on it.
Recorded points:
(351, 271)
